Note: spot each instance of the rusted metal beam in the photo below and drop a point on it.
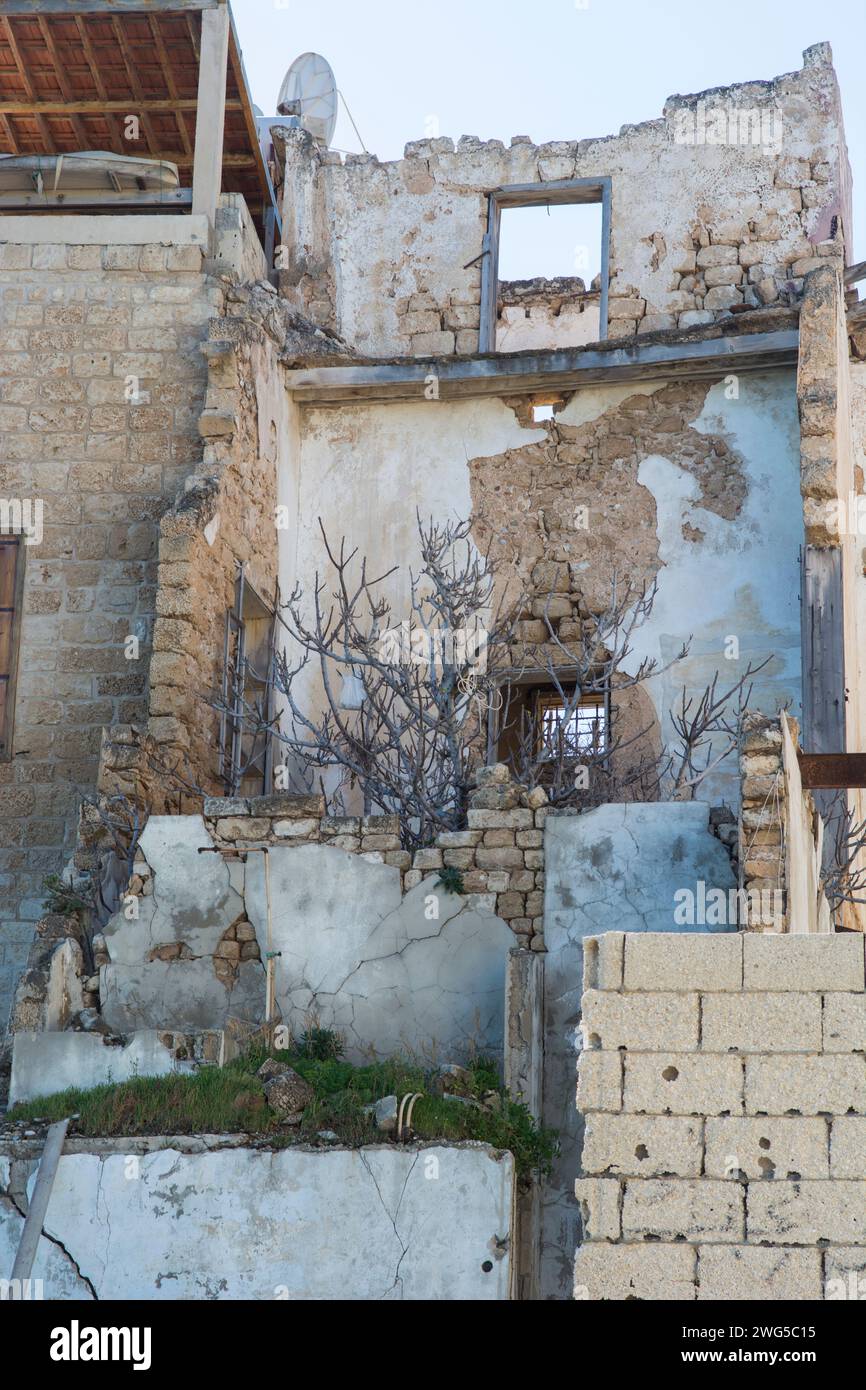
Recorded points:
(830, 771)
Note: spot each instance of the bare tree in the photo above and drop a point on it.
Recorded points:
(708, 728)
(404, 705)
(844, 876)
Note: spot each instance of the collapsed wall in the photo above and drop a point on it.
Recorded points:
(723, 1086)
(724, 201)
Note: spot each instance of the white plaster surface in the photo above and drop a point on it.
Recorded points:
(424, 974)
(365, 1224)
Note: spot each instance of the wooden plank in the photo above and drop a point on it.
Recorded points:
(525, 373)
(176, 199)
(823, 650)
(855, 273)
(156, 36)
(210, 117)
(831, 771)
(95, 107)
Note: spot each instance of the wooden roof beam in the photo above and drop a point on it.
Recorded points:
(207, 168)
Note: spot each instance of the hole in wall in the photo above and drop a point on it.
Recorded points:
(670, 1073)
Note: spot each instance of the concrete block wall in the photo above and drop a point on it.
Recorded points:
(723, 1088)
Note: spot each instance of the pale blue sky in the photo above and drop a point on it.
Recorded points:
(551, 69)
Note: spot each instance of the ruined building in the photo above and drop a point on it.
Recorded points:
(240, 339)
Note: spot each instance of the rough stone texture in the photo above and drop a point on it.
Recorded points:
(676, 1210)
(749, 1152)
(748, 1273)
(664, 1273)
(805, 1085)
(844, 1023)
(243, 1223)
(676, 1083)
(632, 1022)
(761, 1023)
(804, 962)
(766, 1148)
(642, 1146)
(848, 1147)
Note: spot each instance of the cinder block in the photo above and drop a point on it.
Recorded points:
(827, 1085)
(654, 1273)
(804, 1213)
(683, 961)
(761, 1022)
(646, 1146)
(599, 1202)
(766, 1148)
(848, 1147)
(682, 1083)
(673, 1209)
(641, 1022)
(599, 1081)
(845, 1022)
(603, 960)
(804, 963)
(747, 1273)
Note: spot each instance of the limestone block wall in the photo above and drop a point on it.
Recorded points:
(101, 386)
(723, 1088)
(705, 216)
(225, 517)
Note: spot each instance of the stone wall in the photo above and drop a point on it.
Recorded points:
(208, 1218)
(723, 1086)
(703, 220)
(101, 385)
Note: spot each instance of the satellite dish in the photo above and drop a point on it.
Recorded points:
(309, 93)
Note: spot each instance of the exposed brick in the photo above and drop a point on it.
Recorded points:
(641, 1022)
(682, 1083)
(642, 1145)
(654, 1272)
(766, 1148)
(749, 1273)
(671, 1209)
(683, 961)
(761, 1023)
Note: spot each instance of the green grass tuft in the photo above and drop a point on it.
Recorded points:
(231, 1099)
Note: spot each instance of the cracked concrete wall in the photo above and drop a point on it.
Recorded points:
(694, 484)
(422, 972)
(431, 1222)
(723, 1085)
(376, 249)
(613, 869)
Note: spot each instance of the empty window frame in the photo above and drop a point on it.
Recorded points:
(11, 586)
(537, 195)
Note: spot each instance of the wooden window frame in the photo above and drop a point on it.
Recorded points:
(528, 195)
(7, 712)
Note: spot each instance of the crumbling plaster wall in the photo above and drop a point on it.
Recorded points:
(87, 324)
(723, 1085)
(211, 1219)
(393, 963)
(693, 484)
(389, 254)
